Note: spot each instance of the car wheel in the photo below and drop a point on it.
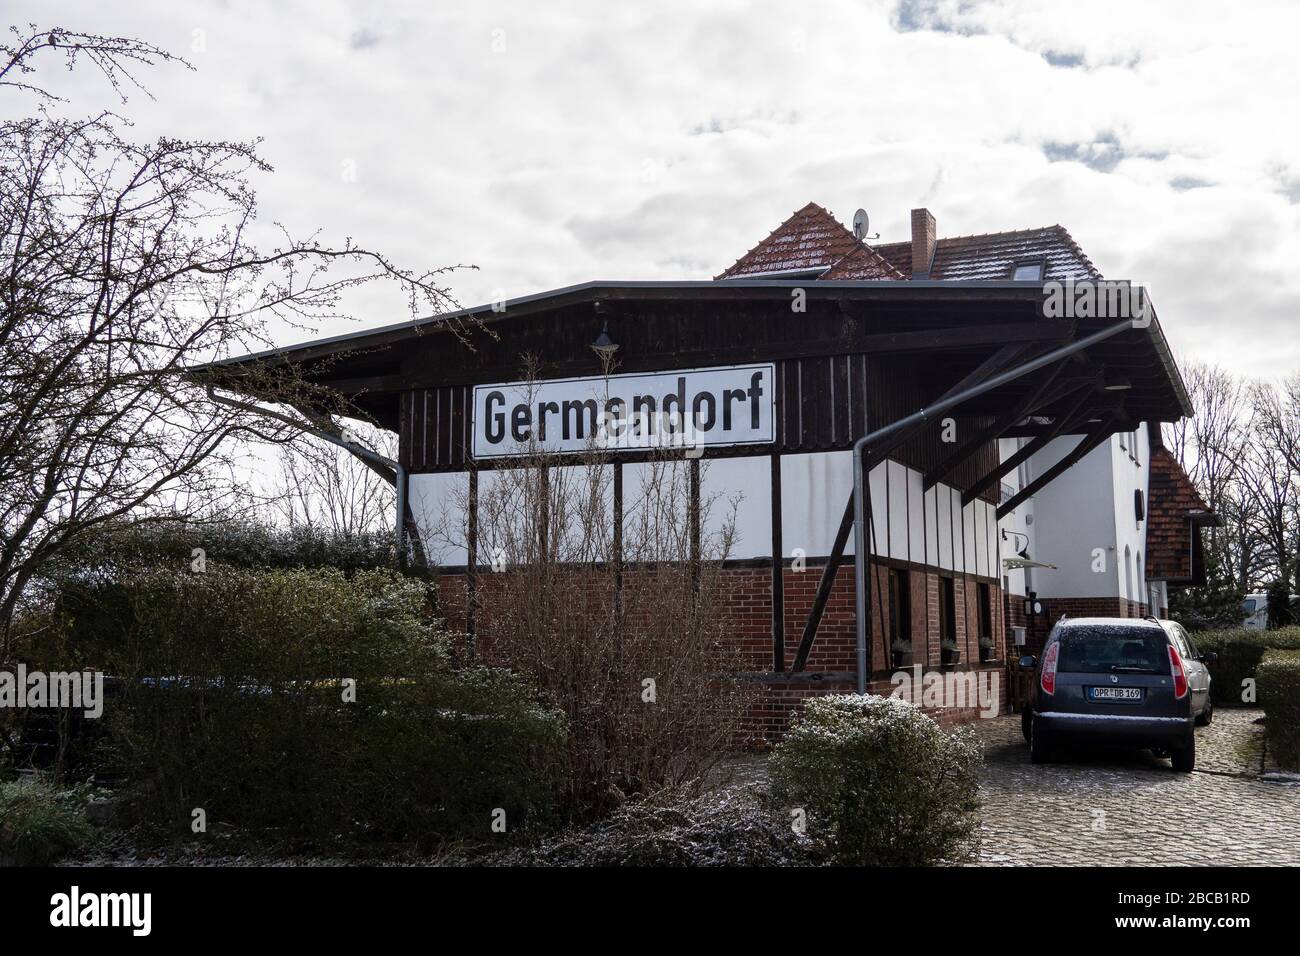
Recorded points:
(1039, 751)
(1184, 758)
(1026, 718)
(1207, 715)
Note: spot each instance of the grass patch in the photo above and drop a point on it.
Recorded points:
(40, 823)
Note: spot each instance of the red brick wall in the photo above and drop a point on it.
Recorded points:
(748, 604)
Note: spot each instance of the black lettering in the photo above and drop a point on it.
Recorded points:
(494, 423)
(728, 396)
(642, 418)
(519, 423)
(702, 399)
(677, 398)
(542, 409)
(755, 393)
(577, 407)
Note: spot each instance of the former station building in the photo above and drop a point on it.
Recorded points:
(1046, 492)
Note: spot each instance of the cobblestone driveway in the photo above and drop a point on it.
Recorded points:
(1110, 808)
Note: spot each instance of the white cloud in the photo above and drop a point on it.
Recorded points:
(552, 146)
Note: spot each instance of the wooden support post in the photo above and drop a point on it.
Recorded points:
(1086, 444)
(778, 571)
(1024, 407)
(694, 518)
(471, 559)
(544, 515)
(1025, 452)
(618, 539)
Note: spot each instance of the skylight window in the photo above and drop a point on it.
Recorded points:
(1028, 272)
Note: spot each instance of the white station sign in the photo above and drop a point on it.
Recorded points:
(686, 408)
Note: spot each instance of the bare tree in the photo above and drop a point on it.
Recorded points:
(1273, 472)
(123, 263)
(324, 486)
(1216, 448)
(1209, 443)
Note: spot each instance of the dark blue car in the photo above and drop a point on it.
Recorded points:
(1118, 682)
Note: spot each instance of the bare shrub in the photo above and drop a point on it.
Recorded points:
(620, 623)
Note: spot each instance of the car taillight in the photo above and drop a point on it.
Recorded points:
(1047, 680)
(1180, 674)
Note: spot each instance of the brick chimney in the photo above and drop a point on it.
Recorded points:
(923, 239)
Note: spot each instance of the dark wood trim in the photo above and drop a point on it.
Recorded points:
(967, 336)
(618, 539)
(693, 516)
(471, 558)
(994, 431)
(910, 340)
(743, 564)
(778, 572)
(544, 515)
(1025, 452)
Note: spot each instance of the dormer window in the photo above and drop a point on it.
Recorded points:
(1028, 271)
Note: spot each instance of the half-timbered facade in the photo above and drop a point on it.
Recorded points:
(822, 338)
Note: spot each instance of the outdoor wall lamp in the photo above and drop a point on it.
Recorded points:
(604, 346)
(1021, 549)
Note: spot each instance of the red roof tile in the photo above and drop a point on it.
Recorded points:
(1172, 503)
(813, 239)
(810, 239)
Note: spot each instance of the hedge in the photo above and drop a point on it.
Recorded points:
(114, 549)
(1279, 692)
(880, 781)
(233, 697)
(1240, 652)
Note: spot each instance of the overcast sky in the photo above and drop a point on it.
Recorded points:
(552, 143)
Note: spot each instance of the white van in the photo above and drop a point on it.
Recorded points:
(1255, 611)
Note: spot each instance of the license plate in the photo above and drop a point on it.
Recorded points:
(1115, 693)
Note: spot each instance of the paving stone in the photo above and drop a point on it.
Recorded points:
(1115, 807)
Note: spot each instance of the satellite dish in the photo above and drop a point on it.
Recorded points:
(862, 226)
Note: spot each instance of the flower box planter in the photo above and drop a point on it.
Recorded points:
(949, 657)
(902, 660)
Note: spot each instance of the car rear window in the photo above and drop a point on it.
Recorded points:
(1107, 650)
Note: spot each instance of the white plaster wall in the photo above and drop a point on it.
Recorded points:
(899, 531)
(654, 495)
(739, 487)
(1131, 470)
(814, 489)
(910, 525)
(943, 521)
(438, 504)
(916, 516)
(1074, 515)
